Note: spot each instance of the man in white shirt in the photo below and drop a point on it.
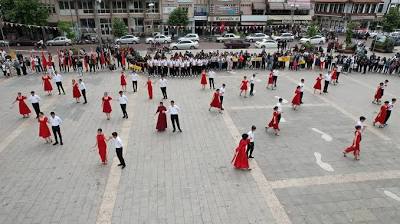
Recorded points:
(221, 94)
(250, 146)
(327, 79)
(301, 84)
(163, 87)
(34, 100)
(252, 80)
(123, 100)
(338, 71)
(82, 87)
(134, 78)
(58, 80)
(389, 110)
(55, 122)
(279, 105)
(118, 149)
(360, 123)
(275, 74)
(173, 110)
(211, 76)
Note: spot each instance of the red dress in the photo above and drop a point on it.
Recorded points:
(107, 105)
(162, 119)
(123, 80)
(150, 89)
(355, 147)
(244, 85)
(23, 108)
(123, 60)
(296, 98)
(46, 83)
(274, 123)
(215, 101)
(270, 79)
(44, 130)
(317, 84)
(334, 75)
(381, 115)
(240, 160)
(102, 146)
(203, 79)
(378, 93)
(76, 93)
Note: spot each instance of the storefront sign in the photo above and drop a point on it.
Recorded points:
(224, 18)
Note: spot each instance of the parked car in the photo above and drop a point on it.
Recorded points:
(361, 34)
(22, 42)
(127, 39)
(184, 44)
(4, 43)
(227, 36)
(284, 36)
(317, 39)
(256, 36)
(231, 44)
(266, 44)
(60, 41)
(158, 39)
(190, 36)
(89, 38)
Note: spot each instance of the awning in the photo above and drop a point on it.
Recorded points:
(285, 6)
(331, 1)
(366, 1)
(253, 23)
(259, 5)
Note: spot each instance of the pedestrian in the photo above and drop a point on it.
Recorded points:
(82, 88)
(252, 80)
(274, 123)
(55, 122)
(270, 82)
(243, 86)
(123, 100)
(123, 81)
(250, 145)
(118, 149)
(378, 94)
(134, 78)
(355, 147)
(301, 84)
(360, 122)
(327, 80)
(216, 101)
(23, 108)
(296, 101)
(76, 93)
(221, 94)
(174, 110)
(203, 80)
(211, 76)
(47, 84)
(240, 160)
(44, 130)
(58, 79)
(162, 117)
(34, 100)
(150, 88)
(317, 85)
(101, 143)
(106, 105)
(380, 118)
(389, 110)
(279, 105)
(275, 74)
(163, 87)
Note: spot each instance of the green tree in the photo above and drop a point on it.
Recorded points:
(178, 17)
(391, 20)
(312, 30)
(119, 28)
(67, 28)
(30, 12)
(349, 32)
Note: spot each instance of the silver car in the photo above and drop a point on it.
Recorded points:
(127, 39)
(59, 41)
(190, 36)
(256, 36)
(184, 44)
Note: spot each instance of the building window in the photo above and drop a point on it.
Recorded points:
(135, 6)
(380, 8)
(341, 8)
(66, 5)
(367, 7)
(104, 7)
(105, 26)
(119, 7)
(86, 6)
(153, 9)
(200, 10)
(88, 23)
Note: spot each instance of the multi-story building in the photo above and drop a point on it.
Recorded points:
(289, 11)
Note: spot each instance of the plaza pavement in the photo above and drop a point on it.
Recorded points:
(297, 177)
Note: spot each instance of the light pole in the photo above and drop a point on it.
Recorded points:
(96, 14)
(151, 6)
(293, 7)
(1, 22)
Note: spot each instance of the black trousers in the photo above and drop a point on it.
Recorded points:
(60, 87)
(301, 97)
(175, 119)
(134, 86)
(57, 131)
(83, 91)
(123, 107)
(251, 89)
(250, 148)
(274, 80)
(326, 84)
(221, 98)
(119, 155)
(211, 81)
(36, 107)
(388, 112)
(164, 92)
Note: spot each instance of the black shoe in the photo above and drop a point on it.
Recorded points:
(120, 164)
(251, 157)
(123, 116)
(123, 166)
(61, 143)
(55, 143)
(85, 103)
(180, 130)
(173, 130)
(126, 117)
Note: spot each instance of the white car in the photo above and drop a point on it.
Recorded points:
(190, 36)
(127, 39)
(184, 44)
(61, 41)
(317, 39)
(284, 36)
(158, 39)
(227, 36)
(256, 36)
(266, 44)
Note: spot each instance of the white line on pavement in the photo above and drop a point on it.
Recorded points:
(391, 195)
(324, 136)
(272, 106)
(323, 165)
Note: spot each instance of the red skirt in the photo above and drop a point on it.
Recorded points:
(215, 102)
(203, 80)
(318, 85)
(107, 107)
(44, 130)
(296, 99)
(76, 93)
(47, 85)
(23, 108)
(123, 81)
(161, 122)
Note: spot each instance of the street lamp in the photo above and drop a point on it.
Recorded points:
(151, 6)
(293, 7)
(98, 30)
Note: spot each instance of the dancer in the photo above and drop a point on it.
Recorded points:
(211, 76)
(149, 88)
(270, 82)
(203, 80)
(123, 81)
(44, 130)
(134, 78)
(123, 100)
(58, 79)
(243, 86)
(334, 76)
(118, 149)
(162, 117)
(327, 80)
(301, 84)
(82, 87)
(173, 110)
(252, 80)
(250, 146)
(378, 94)
(55, 122)
(163, 87)
(360, 122)
(76, 93)
(47, 84)
(274, 123)
(355, 147)
(23, 108)
(34, 100)
(297, 98)
(275, 74)
(279, 105)
(221, 94)
(106, 105)
(101, 145)
(317, 85)
(240, 160)
(216, 101)
(380, 118)
(389, 110)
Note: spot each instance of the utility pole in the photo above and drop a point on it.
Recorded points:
(96, 15)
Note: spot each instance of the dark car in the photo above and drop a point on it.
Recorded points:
(23, 42)
(231, 44)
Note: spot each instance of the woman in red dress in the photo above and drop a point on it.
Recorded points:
(243, 86)
(106, 105)
(380, 118)
(123, 81)
(33, 66)
(296, 99)
(123, 59)
(270, 81)
(216, 102)
(378, 94)
(76, 93)
(44, 130)
(47, 84)
(149, 88)
(203, 81)
(101, 143)
(334, 76)
(240, 160)
(317, 85)
(102, 60)
(355, 147)
(274, 123)
(162, 117)
(23, 108)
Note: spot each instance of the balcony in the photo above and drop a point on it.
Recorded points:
(200, 13)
